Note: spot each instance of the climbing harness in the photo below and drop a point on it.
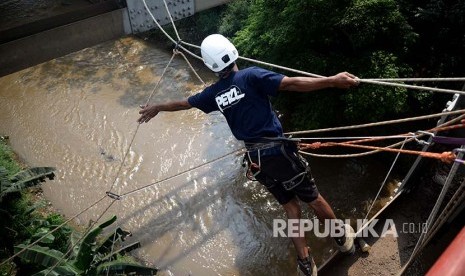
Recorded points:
(282, 146)
(257, 149)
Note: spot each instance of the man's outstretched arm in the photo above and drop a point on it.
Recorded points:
(150, 111)
(306, 84)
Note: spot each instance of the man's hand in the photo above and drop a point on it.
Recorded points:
(344, 80)
(147, 113)
(150, 111)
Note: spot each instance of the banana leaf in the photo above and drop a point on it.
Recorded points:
(36, 173)
(109, 241)
(65, 270)
(24, 179)
(48, 239)
(74, 239)
(126, 249)
(120, 267)
(43, 256)
(86, 252)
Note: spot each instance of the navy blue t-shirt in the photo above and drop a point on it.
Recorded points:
(242, 97)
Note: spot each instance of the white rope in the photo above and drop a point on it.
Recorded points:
(158, 24)
(378, 123)
(191, 67)
(419, 79)
(355, 137)
(371, 81)
(433, 89)
(378, 150)
(237, 151)
(171, 19)
(167, 35)
(138, 125)
(266, 63)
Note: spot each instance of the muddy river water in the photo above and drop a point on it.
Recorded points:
(78, 113)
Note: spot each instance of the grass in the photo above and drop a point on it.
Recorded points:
(8, 158)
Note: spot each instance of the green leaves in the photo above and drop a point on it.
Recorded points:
(88, 257)
(120, 267)
(368, 38)
(372, 24)
(86, 249)
(370, 103)
(24, 179)
(41, 232)
(43, 256)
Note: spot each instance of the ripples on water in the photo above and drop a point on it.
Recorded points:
(78, 113)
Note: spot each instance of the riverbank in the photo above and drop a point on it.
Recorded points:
(21, 210)
(41, 237)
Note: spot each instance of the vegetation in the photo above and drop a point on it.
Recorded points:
(24, 222)
(87, 257)
(370, 38)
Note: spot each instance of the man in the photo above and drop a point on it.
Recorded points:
(242, 97)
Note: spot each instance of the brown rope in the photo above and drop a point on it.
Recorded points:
(317, 145)
(447, 157)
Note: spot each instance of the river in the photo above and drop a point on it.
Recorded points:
(78, 113)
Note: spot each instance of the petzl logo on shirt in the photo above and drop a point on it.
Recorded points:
(229, 97)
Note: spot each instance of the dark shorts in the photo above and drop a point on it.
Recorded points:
(284, 164)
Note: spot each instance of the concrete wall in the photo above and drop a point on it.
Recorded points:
(43, 46)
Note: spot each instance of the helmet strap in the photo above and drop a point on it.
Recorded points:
(225, 71)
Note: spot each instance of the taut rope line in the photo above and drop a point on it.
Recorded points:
(371, 81)
(424, 117)
(138, 125)
(445, 156)
(418, 79)
(52, 231)
(238, 151)
(443, 126)
(381, 138)
(171, 19)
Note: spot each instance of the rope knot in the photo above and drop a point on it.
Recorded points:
(177, 45)
(447, 157)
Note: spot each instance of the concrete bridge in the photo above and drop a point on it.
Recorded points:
(77, 24)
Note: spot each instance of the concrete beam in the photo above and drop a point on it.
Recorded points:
(27, 45)
(37, 48)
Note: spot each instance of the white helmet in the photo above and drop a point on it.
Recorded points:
(218, 52)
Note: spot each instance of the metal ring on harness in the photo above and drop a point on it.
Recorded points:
(249, 174)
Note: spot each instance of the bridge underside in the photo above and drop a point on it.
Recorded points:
(30, 34)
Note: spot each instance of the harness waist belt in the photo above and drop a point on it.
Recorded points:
(262, 146)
